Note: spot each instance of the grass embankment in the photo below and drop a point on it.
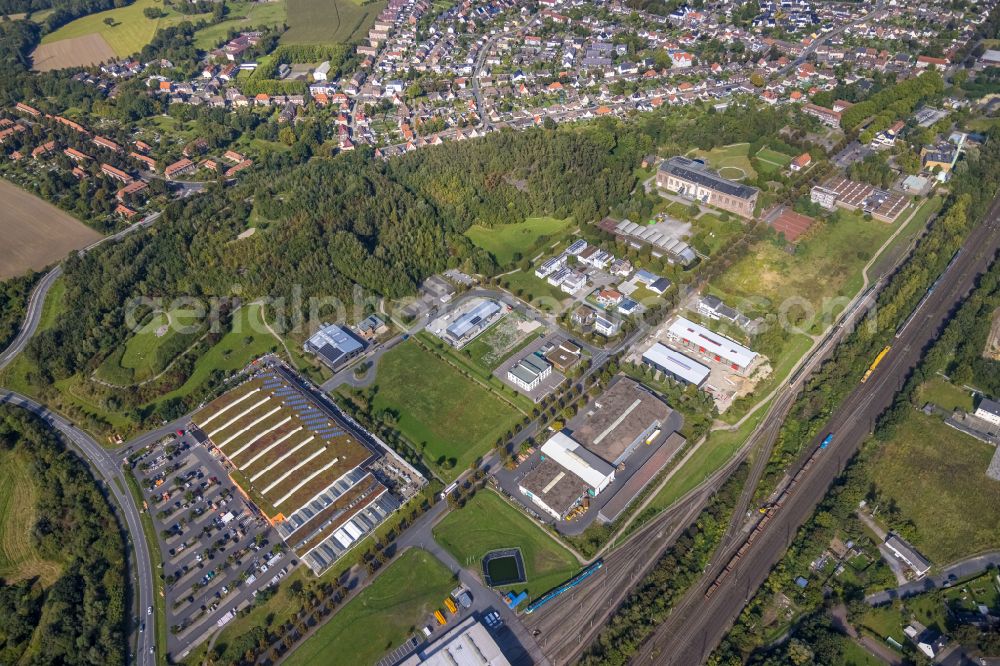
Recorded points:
(382, 616)
(19, 560)
(488, 523)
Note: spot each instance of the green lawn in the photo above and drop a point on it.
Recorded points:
(944, 394)
(710, 233)
(768, 155)
(826, 265)
(524, 238)
(131, 31)
(488, 523)
(539, 293)
(241, 16)
(449, 417)
(855, 655)
(730, 161)
(397, 604)
(18, 497)
(247, 340)
(325, 22)
(152, 347)
(936, 477)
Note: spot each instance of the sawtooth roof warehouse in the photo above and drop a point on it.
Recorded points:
(315, 474)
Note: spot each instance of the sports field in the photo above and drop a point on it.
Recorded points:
(825, 265)
(402, 598)
(325, 22)
(488, 523)
(130, 32)
(506, 240)
(936, 476)
(447, 416)
(730, 161)
(35, 233)
(18, 495)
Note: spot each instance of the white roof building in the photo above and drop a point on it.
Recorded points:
(594, 471)
(711, 344)
(676, 364)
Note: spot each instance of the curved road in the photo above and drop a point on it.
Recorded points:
(101, 461)
(107, 468)
(697, 624)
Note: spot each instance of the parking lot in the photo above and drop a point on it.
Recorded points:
(217, 553)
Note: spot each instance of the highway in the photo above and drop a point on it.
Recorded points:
(102, 462)
(36, 302)
(697, 624)
(108, 470)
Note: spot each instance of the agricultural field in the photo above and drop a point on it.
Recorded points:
(18, 496)
(421, 389)
(151, 349)
(35, 233)
(731, 161)
(506, 241)
(825, 265)
(242, 16)
(382, 616)
(324, 22)
(130, 32)
(936, 476)
(488, 523)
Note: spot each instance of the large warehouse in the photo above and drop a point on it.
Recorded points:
(676, 365)
(300, 462)
(621, 419)
(583, 463)
(716, 347)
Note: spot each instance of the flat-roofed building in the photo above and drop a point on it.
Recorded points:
(694, 180)
(529, 372)
(623, 418)
(585, 464)
(564, 355)
(717, 347)
(472, 323)
(334, 345)
(467, 644)
(676, 365)
(553, 488)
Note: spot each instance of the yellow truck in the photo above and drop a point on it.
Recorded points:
(450, 605)
(440, 618)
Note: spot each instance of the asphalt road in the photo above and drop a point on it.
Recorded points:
(107, 469)
(36, 301)
(101, 461)
(970, 566)
(697, 625)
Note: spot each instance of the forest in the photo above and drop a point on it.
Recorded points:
(14, 294)
(79, 619)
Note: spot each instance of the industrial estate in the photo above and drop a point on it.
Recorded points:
(500, 332)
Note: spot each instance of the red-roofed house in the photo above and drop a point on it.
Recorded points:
(800, 162)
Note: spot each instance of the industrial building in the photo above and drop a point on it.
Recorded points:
(473, 322)
(529, 372)
(334, 345)
(638, 236)
(716, 347)
(676, 365)
(621, 419)
(853, 195)
(313, 473)
(694, 180)
(468, 643)
(566, 474)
